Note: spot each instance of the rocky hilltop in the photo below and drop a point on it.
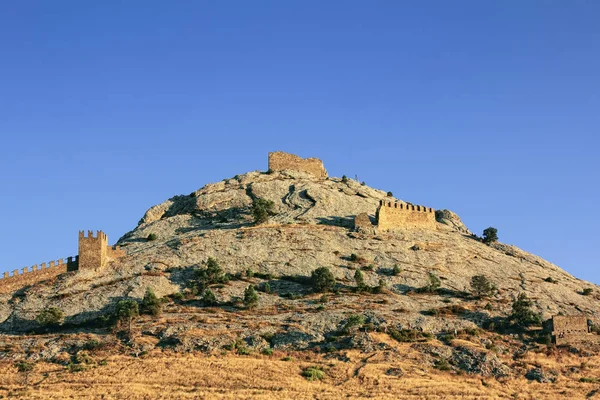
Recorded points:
(311, 224)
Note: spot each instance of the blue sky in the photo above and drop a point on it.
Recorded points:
(489, 109)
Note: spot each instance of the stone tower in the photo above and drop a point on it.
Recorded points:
(92, 250)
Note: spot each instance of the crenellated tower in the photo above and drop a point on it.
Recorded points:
(92, 250)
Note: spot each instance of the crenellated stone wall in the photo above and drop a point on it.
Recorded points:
(279, 161)
(392, 216)
(94, 253)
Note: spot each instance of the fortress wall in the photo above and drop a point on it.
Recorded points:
(30, 275)
(574, 338)
(279, 161)
(94, 253)
(570, 324)
(404, 216)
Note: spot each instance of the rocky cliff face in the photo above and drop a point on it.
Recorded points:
(312, 227)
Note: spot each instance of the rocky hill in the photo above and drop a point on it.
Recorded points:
(311, 225)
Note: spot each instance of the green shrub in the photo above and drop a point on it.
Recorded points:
(267, 351)
(408, 335)
(522, 315)
(313, 373)
(490, 235)
(447, 339)
(322, 279)
(587, 291)
(262, 209)
(209, 298)
(442, 365)
(287, 358)
(267, 287)
(396, 270)
(481, 286)
(126, 312)
(151, 237)
(344, 179)
(353, 322)
(380, 288)
(51, 316)
(390, 194)
(433, 284)
(589, 380)
(177, 296)
(360, 281)
(250, 297)
(249, 273)
(550, 280)
(151, 304)
(212, 274)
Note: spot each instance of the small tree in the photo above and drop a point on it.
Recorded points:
(433, 283)
(396, 270)
(250, 297)
(151, 304)
(51, 316)
(522, 314)
(267, 287)
(381, 287)
(322, 279)
(262, 209)
(390, 194)
(126, 312)
(490, 235)
(481, 286)
(209, 298)
(360, 281)
(210, 275)
(344, 179)
(25, 368)
(152, 237)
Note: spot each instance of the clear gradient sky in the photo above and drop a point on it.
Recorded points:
(489, 109)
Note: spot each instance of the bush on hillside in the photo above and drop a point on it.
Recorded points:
(522, 314)
(490, 235)
(51, 316)
(250, 297)
(262, 209)
(151, 304)
(481, 286)
(322, 280)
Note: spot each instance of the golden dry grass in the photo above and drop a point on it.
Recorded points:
(166, 375)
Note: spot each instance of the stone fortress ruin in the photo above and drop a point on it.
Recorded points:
(572, 329)
(280, 161)
(94, 253)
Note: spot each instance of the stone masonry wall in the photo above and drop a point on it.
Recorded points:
(30, 275)
(572, 329)
(279, 161)
(392, 216)
(94, 251)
